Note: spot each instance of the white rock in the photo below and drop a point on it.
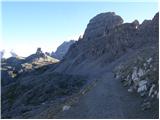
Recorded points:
(128, 77)
(144, 64)
(130, 90)
(149, 60)
(66, 107)
(141, 72)
(43, 103)
(151, 89)
(142, 83)
(155, 92)
(117, 76)
(134, 74)
(142, 88)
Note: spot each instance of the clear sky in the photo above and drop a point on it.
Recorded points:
(28, 25)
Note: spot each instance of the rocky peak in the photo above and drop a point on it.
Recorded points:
(107, 39)
(150, 29)
(101, 24)
(39, 51)
(155, 21)
(62, 49)
(2, 53)
(156, 17)
(13, 54)
(47, 53)
(135, 23)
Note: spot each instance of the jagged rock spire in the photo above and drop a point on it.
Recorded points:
(39, 51)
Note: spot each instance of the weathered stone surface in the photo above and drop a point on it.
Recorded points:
(62, 50)
(101, 24)
(117, 41)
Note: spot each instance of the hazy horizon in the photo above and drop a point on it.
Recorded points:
(29, 25)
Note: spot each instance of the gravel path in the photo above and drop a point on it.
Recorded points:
(108, 99)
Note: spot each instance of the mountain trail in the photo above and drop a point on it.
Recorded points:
(108, 99)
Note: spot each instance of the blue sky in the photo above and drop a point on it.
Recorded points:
(28, 25)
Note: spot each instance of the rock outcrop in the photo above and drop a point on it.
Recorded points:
(140, 75)
(62, 50)
(39, 56)
(119, 39)
(101, 24)
(2, 54)
(13, 54)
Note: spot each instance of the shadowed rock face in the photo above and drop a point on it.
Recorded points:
(101, 24)
(106, 45)
(109, 40)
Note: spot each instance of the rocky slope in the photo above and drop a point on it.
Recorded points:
(29, 87)
(62, 50)
(109, 55)
(32, 93)
(140, 75)
(115, 42)
(132, 46)
(14, 66)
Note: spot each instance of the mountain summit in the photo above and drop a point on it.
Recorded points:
(101, 24)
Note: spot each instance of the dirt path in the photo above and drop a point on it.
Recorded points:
(108, 99)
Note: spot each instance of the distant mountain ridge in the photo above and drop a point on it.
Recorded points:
(3, 54)
(62, 49)
(13, 66)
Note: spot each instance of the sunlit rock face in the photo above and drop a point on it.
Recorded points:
(14, 66)
(39, 56)
(62, 50)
